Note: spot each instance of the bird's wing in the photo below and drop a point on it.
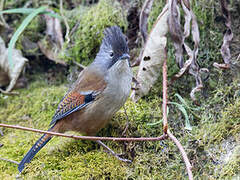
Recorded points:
(84, 91)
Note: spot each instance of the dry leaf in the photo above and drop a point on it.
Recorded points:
(176, 32)
(9, 75)
(178, 38)
(225, 51)
(152, 57)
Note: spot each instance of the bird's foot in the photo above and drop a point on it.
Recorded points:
(112, 152)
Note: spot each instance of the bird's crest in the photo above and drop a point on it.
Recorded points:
(114, 37)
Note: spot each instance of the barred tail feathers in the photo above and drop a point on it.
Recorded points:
(41, 142)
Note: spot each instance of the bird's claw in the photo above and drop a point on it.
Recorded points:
(122, 159)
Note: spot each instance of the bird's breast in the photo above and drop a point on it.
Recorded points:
(97, 114)
(119, 80)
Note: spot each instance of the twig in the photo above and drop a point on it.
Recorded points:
(184, 155)
(165, 122)
(164, 105)
(8, 160)
(92, 138)
(65, 22)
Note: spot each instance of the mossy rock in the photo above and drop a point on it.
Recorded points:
(89, 35)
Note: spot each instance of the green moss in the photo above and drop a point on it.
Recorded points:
(206, 145)
(70, 159)
(89, 35)
(75, 16)
(231, 168)
(225, 123)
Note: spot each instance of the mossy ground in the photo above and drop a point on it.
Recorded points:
(212, 146)
(70, 159)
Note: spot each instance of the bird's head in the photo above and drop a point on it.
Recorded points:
(113, 49)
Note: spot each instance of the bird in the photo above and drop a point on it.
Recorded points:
(100, 90)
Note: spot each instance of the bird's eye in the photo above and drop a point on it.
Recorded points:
(111, 54)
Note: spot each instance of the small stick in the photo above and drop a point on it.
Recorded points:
(165, 121)
(184, 155)
(164, 105)
(92, 138)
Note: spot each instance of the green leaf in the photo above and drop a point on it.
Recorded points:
(183, 110)
(18, 10)
(185, 103)
(28, 11)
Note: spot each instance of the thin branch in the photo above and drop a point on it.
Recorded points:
(165, 122)
(184, 155)
(164, 105)
(9, 160)
(92, 138)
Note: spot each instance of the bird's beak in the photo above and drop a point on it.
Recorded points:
(124, 56)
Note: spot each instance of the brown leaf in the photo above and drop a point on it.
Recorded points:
(178, 38)
(225, 51)
(175, 31)
(152, 57)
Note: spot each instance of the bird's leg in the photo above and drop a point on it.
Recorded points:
(112, 152)
(127, 124)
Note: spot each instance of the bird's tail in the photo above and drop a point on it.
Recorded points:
(41, 142)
